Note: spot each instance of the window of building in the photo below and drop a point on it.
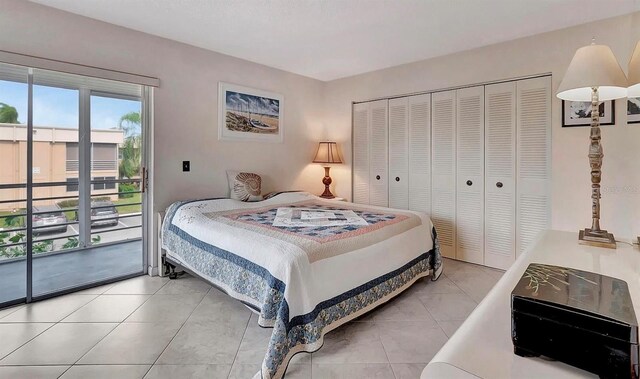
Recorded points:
(72, 184)
(103, 186)
(105, 156)
(72, 156)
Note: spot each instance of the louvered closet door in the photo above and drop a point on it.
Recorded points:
(443, 166)
(361, 153)
(378, 153)
(533, 160)
(420, 153)
(398, 153)
(470, 175)
(500, 172)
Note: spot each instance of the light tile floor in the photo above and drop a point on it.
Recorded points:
(158, 328)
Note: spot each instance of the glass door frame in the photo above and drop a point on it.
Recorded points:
(84, 186)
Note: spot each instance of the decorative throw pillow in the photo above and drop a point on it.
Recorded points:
(244, 186)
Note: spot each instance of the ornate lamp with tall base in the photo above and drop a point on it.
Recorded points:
(594, 75)
(327, 154)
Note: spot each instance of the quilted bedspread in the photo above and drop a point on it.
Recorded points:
(306, 264)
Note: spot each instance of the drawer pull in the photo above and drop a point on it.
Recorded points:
(377, 177)
(499, 184)
(469, 182)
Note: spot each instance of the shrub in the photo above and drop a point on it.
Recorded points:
(73, 203)
(126, 187)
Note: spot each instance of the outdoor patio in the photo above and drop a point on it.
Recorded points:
(56, 272)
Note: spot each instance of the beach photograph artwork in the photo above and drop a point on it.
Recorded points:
(249, 114)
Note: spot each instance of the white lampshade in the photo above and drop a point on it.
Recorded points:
(634, 73)
(327, 153)
(593, 66)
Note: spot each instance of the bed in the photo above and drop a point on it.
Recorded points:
(305, 265)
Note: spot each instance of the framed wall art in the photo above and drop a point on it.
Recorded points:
(578, 113)
(633, 110)
(248, 114)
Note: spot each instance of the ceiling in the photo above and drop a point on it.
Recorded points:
(330, 39)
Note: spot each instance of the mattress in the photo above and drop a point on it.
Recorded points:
(327, 263)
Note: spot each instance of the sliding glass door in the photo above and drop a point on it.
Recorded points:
(82, 192)
(14, 102)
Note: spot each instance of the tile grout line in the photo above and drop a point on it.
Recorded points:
(179, 329)
(167, 283)
(31, 339)
(105, 336)
(77, 309)
(240, 344)
(431, 314)
(52, 324)
(460, 288)
(17, 307)
(375, 325)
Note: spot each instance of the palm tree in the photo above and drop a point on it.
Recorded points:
(8, 114)
(129, 123)
(129, 166)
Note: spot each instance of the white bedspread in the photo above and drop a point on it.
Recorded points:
(235, 246)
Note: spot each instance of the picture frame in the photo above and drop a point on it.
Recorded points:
(578, 113)
(633, 110)
(249, 114)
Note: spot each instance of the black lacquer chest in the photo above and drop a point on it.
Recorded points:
(580, 318)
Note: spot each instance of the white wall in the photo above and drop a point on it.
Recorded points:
(544, 53)
(186, 102)
(186, 107)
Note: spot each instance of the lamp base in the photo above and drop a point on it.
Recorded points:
(327, 182)
(598, 238)
(328, 195)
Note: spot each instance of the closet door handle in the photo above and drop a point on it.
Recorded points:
(377, 177)
(469, 182)
(499, 184)
(397, 178)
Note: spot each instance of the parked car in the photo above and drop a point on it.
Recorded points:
(103, 213)
(50, 220)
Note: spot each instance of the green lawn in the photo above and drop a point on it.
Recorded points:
(123, 208)
(126, 209)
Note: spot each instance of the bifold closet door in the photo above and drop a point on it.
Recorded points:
(379, 153)
(533, 160)
(500, 174)
(420, 153)
(470, 175)
(443, 166)
(361, 153)
(398, 153)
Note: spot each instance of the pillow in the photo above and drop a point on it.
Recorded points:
(244, 186)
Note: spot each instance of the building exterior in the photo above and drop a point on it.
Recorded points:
(55, 159)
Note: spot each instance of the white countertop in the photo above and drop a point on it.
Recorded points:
(482, 345)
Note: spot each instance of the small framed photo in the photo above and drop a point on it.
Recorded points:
(633, 110)
(248, 114)
(578, 113)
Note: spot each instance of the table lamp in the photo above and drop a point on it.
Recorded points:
(327, 154)
(594, 75)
